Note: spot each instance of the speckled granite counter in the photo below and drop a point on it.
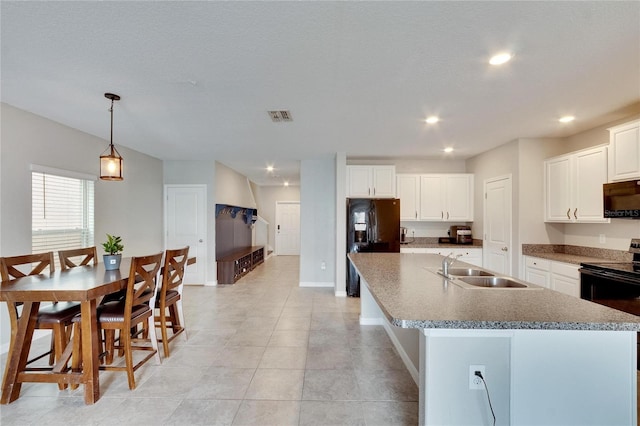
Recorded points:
(575, 254)
(412, 295)
(432, 242)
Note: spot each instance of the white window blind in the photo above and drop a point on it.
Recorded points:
(62, 212)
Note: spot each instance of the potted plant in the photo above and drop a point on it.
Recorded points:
(113, 247)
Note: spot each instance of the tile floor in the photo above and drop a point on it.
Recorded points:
(261, 352)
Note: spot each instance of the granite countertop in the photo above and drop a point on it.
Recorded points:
(412, 295)
(575, 254)
(432, 242)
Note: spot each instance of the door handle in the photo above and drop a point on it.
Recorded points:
(278, 227)
(200, 240)
(504, 249)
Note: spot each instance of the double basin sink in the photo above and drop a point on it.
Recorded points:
(478, 278)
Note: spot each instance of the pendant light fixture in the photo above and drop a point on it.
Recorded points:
(111, 160)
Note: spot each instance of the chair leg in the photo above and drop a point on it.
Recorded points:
(60, 342)
(76, 357)
(109, 342)
(151, 329)
(163, 331)
(181, 318)
(125, 341)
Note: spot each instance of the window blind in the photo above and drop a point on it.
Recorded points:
(62, 212)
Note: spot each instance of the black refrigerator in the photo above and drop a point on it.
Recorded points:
(373, 225)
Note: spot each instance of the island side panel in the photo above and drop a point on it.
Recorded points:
(574, 377)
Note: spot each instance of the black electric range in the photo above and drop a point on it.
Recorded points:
(615, 284)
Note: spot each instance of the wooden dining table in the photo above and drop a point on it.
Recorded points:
(84, 284)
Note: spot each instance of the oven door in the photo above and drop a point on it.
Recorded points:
(610, 289)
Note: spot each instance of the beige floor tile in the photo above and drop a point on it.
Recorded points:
(221, 383)
(289, 338)
(322, 413)
(386, 413)
(284, 357)
(276, 384)
(239, 357)
(264, 413)
(330, 385)
(204, 412)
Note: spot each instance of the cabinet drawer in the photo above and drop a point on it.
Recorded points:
(538, 263)
(566, 269)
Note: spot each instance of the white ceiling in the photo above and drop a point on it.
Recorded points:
(197, 78)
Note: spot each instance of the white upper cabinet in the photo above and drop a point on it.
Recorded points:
(371, 181)
(624, 151)
(408, 191)
(436, 197)
(573, 186)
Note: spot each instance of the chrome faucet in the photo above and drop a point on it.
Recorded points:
(447, 262)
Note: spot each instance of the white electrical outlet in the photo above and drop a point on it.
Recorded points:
(475, 382)
(323, 266)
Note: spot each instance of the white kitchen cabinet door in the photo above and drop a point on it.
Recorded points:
(432, 198)
(459, 197)
(624, 151)
(573, 186)
(557, 189)
(359, 181)
(565, 278)
(408, 191)
(384, 181)
(371, 181)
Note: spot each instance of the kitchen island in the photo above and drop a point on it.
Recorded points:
(548, 358)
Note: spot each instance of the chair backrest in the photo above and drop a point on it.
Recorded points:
(175, 263)
(85, 255)
(143, 276)
(37, 263)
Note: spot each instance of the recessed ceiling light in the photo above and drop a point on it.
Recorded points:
(432, 120)
(269, 168)
(448, 149)
(567, 119)
(500, 59)
(286, 183)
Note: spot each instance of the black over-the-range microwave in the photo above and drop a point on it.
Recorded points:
(622, 199)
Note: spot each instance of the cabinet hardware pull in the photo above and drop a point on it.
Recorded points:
(574, 213)
(447, 215)
(568, 211)
(416, 214)
(441, 215)
(369, 191)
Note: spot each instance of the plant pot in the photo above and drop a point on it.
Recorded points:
(112, 261)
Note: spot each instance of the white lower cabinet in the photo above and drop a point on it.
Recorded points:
(537, 271)
(559, 276)
(470, 255)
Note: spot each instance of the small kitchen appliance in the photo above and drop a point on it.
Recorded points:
(461, 234)
(403, 234)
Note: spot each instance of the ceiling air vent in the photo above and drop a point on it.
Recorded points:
(278, 116)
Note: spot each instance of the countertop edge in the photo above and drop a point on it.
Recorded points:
(512, 325)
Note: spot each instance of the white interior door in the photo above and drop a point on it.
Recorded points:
(185, 225)
(497, 225)
(287, 228)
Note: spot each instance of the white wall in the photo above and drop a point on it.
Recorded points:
(317, 221)
(266, 197)
(131, 208)
(415, 165)
(198, 173)
(232, 188)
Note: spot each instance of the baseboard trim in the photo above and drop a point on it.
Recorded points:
(316, 284)
(211, 283)
(37, 334)
(371, 321)
(342, 293)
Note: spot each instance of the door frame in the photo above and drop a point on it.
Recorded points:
(204, 249)
(275, 230)
(509, 178)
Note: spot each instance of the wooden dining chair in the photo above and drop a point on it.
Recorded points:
(77, 257)
(56, 317)
(124, 316)
(169, 302)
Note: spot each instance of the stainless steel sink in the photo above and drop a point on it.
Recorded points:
(493, 282)
(464, 272)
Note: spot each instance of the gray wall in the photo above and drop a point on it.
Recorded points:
(198, 173)
(266, 197)
(131, 208)
(317, 221)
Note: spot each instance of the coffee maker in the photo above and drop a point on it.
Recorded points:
(403, 234)
(460, 234)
